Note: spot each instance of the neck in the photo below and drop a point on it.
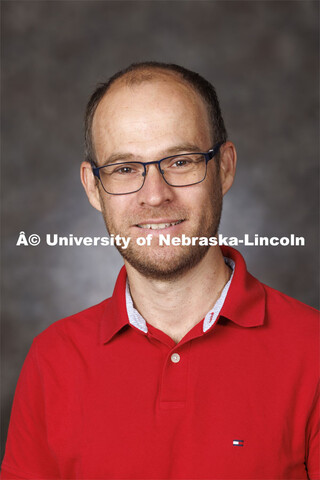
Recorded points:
(175, 307)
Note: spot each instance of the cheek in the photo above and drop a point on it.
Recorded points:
(213, 182)
(115, 208)
(200, 196)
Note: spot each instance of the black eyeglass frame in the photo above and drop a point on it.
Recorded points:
(207, 155)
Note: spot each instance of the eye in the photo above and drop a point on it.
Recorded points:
(124, 169)
(181, 162)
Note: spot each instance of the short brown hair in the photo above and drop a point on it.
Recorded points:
(144, 71)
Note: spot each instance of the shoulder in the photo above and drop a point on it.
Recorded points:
(290, 313)
(78, 330)
(284, 303)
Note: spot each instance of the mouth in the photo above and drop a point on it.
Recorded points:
(158, 226)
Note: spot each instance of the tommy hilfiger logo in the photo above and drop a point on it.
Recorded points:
(238, 443)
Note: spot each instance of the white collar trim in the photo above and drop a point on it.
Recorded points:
(134, 316)
(212, 316)
(139, 322)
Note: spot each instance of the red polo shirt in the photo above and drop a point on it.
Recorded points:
(100, 399)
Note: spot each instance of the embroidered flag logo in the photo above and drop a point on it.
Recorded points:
(238, 443)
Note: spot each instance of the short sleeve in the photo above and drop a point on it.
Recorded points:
(312, 440)
(27, 453)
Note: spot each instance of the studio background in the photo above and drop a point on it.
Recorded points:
(262, 57)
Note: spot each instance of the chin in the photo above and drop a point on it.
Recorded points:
(164, 264)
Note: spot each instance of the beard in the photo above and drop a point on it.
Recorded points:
(162, 262)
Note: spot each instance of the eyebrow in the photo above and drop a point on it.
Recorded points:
(122, 157)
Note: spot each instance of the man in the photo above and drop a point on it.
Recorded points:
(193, 369)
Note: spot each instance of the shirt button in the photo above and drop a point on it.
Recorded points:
(175, 358)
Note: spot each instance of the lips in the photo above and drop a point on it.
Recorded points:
(158, 226)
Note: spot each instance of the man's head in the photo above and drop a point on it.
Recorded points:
(143, 114)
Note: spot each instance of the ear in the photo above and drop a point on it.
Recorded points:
(89, 183)
(228, 161)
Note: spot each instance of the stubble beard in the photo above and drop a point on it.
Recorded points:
(166, 263)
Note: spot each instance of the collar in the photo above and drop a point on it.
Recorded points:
(242, 301)
(211, 317)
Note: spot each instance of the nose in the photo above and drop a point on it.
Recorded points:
(155, 190)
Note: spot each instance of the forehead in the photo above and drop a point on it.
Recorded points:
(155, 109)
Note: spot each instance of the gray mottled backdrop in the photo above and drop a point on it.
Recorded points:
(262, 57)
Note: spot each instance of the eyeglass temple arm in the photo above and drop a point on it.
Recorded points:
(95, 170)
(214, 150)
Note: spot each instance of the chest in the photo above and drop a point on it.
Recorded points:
(181, 413)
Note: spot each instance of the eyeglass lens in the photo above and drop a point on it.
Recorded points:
(178, 171)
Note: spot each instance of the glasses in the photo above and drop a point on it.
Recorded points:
(180, 170)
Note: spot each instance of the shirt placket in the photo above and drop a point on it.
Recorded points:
(174, 378)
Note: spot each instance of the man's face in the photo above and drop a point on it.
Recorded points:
(147, 122)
